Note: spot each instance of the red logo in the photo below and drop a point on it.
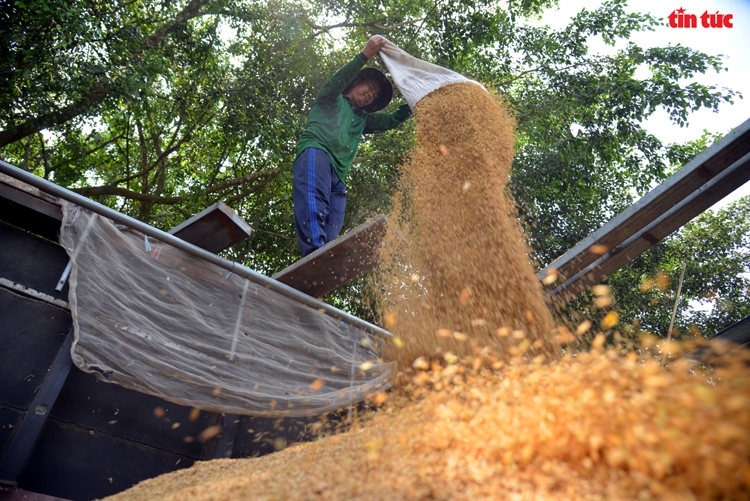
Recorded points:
(678, 19)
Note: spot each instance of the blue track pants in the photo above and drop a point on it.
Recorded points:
(319, 200)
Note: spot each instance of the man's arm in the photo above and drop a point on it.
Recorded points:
(336, 84)
(386, 121)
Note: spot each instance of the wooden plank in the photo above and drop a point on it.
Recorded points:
(88, 401)
(74, 462)
(735, 336)
(257, 436)
(738, 333)
(228, 432)
(31, 261)
(28, 291)
(22, 495)
(28, 327)
(11, 419)
(22, 216)
(348, 257)
(30, 190)
(29, 208)
(710, 176)
(37, 204)
(27, 435)
(214, 229)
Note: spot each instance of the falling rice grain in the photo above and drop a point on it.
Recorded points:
(463, 239)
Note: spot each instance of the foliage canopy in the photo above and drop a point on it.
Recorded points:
(159, 109)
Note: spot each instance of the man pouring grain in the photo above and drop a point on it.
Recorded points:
(343, 111)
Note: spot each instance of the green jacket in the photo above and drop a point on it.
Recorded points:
(336, 128)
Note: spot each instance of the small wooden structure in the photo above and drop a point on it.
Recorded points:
(216, 228)
(348, 257)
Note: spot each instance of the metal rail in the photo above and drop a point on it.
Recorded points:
(706, 179)
(238, 269)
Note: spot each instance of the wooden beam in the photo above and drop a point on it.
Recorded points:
(27, 207)
(22, 495)
(30, 196)
(214, 229)
(738, 333)
(703, 181)
(25, 438)
(29, 201)
(29, 292)
(228, 433)
(733, 337)
(348, 257)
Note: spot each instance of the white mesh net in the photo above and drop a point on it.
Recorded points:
(170, 324)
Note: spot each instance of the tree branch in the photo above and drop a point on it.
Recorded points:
(359, 160)
(171, 149)
(272, 233)
(156, 199)
(539, 68)
(372, 24)
(87, 153)
(244, 179)
(422, 23)
(99, 90)
(253, 189)
(96, 94)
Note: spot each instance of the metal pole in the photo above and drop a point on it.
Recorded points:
(254, 276)
(64, 276)
(351, 376)
(676, 302)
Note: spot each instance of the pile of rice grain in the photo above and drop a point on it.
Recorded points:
(592, 427)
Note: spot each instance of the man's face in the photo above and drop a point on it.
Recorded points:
(363, 94)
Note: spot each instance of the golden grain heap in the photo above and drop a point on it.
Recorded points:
(597, 426)
(484, 412)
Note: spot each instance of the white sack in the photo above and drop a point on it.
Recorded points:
(416, 78)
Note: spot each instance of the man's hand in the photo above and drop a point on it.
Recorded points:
(374, 45)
